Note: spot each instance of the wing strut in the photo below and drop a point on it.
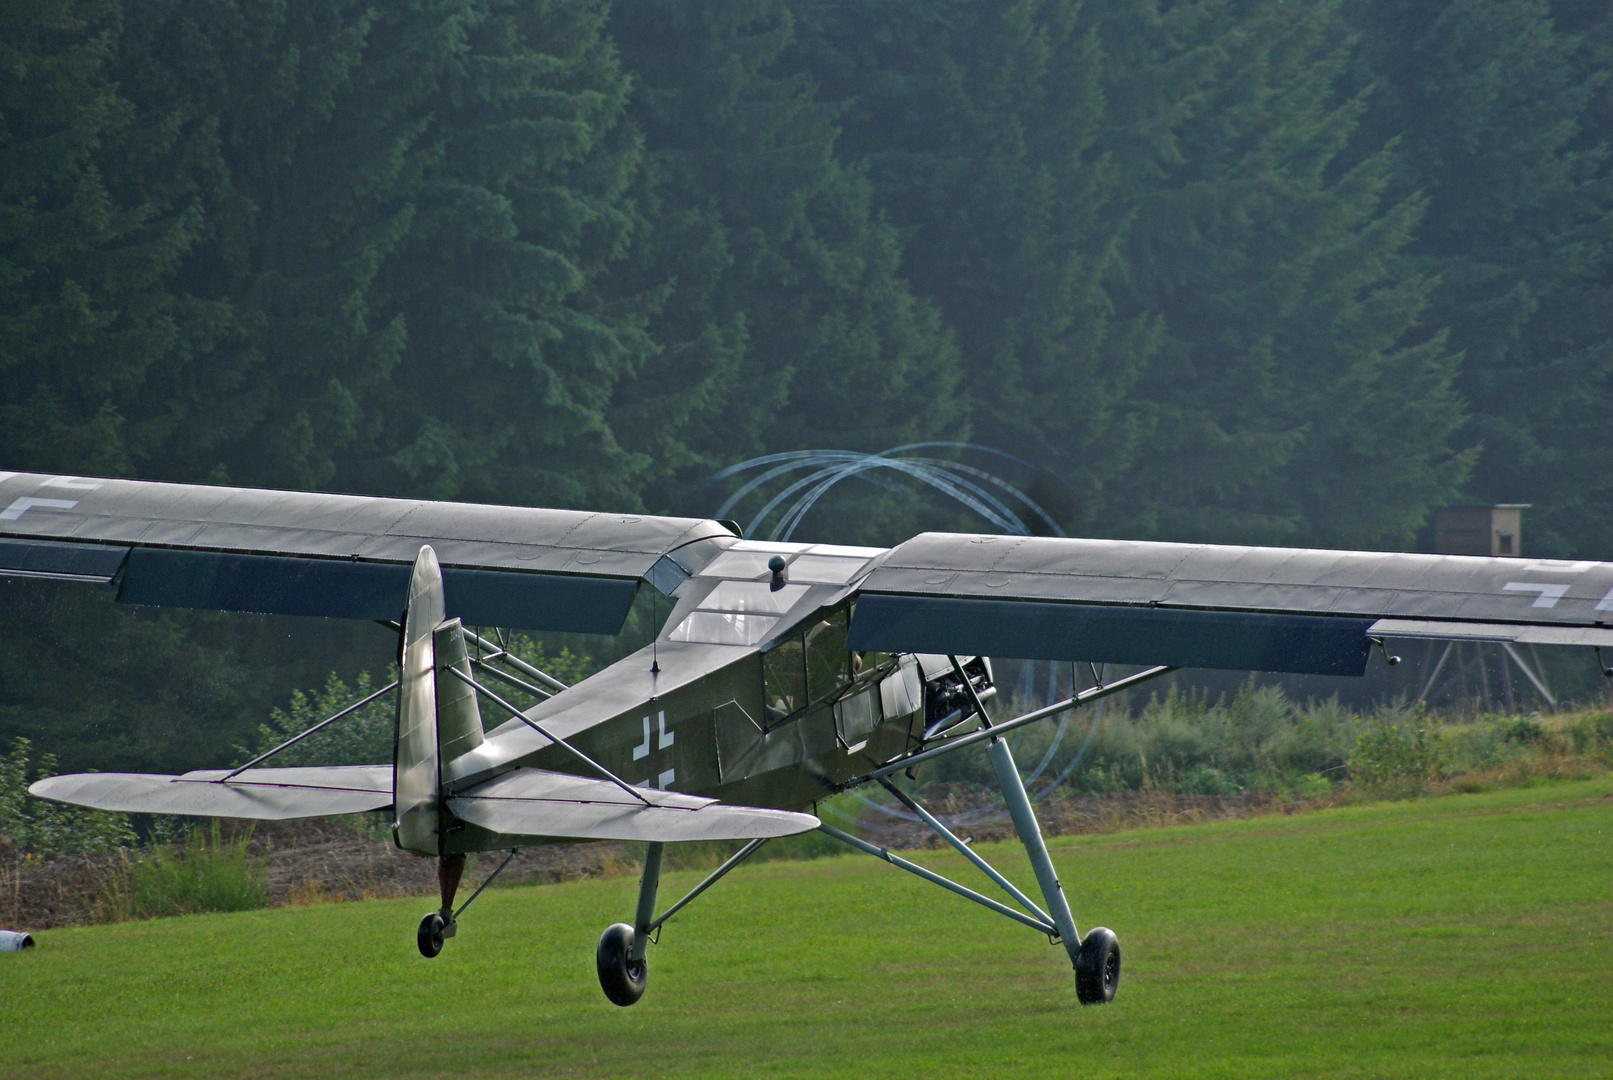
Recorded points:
(965, 850)
(936, 879)
(1075, 701)
(295, 739)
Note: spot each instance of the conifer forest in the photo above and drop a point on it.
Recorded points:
(1248, 271)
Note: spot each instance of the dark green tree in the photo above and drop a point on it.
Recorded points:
(782, 317)
(978, 127)
(1503, 125)
(1167, 286)
(86, 246)
(1296, 396)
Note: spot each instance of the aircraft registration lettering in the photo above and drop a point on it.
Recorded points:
(1549, 594)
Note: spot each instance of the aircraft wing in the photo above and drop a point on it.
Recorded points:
(264, 794)
(307, 553)
(537, 802)
(1205, 605)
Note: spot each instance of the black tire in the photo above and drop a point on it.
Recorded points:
(622, 979)
(429, 937)
(1097, 967)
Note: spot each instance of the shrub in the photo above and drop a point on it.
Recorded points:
(1396, 747)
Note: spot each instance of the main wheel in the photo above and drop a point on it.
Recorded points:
(429, 937)
(622, 979)
(1097, 967)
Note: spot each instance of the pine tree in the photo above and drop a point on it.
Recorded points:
(977, 125)
(1503, 127)
(513, 351)
(1296, 397)
(86, 246)
(782, 315)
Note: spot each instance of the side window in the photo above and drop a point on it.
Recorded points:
(827, 662)
(783, 679)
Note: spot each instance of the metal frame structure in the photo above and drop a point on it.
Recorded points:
(1056, 921)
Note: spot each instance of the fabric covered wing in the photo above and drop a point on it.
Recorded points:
(536, 802)
(305, 553)
(264, 794)
(1203, 605)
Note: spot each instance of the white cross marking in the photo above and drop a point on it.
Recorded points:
(642, 750)
(74, 483)
(666, 779)
(4, 476)
(1607, 602)
(665, 737)
(1558, 566)
(27, 503)
(1549, 594)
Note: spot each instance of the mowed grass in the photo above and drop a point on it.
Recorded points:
(1465, 936)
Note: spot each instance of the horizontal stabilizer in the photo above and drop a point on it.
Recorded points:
(264, 794)
(536, 802)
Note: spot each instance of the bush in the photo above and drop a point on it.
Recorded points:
(1397, 747)
(47, 828)
(206, 873)
(1593, 734)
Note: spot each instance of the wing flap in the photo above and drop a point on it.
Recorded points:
(1444, 630)
(536, 802)
(263, 794)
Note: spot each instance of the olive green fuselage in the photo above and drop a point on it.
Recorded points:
(698, 723)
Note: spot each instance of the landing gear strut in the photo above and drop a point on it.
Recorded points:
(438, 926)
(1097, 956)
(623, 969)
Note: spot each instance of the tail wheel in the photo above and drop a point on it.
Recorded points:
(1097, 967)
(429, 937)
(621, 978)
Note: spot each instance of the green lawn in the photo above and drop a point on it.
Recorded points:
(1465, 936)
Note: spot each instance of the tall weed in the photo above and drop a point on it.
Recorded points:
(209, 872)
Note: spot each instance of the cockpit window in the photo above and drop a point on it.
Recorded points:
(827, 662)
(723, 628)
(737, 613)
(783, 679)
(811, 564)
(755, 596)
(808, 666)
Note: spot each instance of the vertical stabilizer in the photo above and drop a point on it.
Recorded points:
(416, 763)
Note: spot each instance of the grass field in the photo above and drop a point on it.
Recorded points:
(1464, 936)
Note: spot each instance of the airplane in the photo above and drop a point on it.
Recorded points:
(785, 672)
